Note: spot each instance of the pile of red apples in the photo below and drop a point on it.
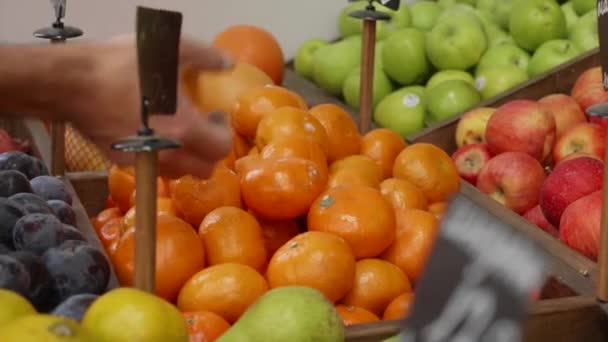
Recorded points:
(542, 159)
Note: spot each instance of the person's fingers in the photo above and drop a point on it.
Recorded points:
(201, 56)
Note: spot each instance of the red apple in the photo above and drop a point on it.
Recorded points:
(580, 224)
(589, 88)
(535, 215)
(471, 127)
(569, 181)
(603, 122)
(469, 160)
(585, 137)
(521, 125)
(513, 179)
(565, 111)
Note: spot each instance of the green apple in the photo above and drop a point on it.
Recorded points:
(303, 61)
(583, 6)
(333, 63)
(534, 22)
(448, 75)
(458, 10)
(492, 81)
(449, 3)
(351, 89)
(402, 111)
(404, 57)
(458, 42)
(501, 39)
(584, 35)
(498, 10)
(550, 55)
(503, 55)
(450, 98)
(424, 14)
(348, 26)
(570, 14)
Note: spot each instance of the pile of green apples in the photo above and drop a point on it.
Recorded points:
(436, 59)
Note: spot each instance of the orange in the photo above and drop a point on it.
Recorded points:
(226, 289)
(296, 147)
(402, 194)
(290, 122)
(430, 169)
(359, 214)
(254, 45)
(104, 216)
(109, 203)
(231, 234)
(416, 232)
(377, 283)
(194, 198)
(319, 260)
(254, 151)
(241, 145)
(277, 232)
(205, 326)
(342, 133)
(352, 315)
(354, 170)
(110, 232)
(280, 188)
(121, 184)
(163, 206)
(218, 90)
(179, 255)
(229, 160)
(383, 146)
(399, 307)
(162, 191)
(256, 102)
(438, 209)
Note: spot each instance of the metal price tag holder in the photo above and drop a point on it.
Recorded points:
(477, 284)
(158, 35)
(58, 33)
(369, 16)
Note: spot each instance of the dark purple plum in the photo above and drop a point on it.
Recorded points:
(75, 306)
(32, 203)
(4, 249)
(30, 166)
(41, 286)
(10, 213)
(63, 211)
(38, 232)
(14, 275)
(77, 268)
(13, 182)
(51, 188)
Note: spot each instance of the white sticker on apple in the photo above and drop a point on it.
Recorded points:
(480, 83)
(411, 100)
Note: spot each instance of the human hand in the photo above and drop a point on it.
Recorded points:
(108, 108)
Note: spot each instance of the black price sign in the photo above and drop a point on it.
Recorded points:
(392, 4)
(602, 27)
(478, 281)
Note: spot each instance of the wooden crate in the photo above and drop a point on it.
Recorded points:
(36, 133)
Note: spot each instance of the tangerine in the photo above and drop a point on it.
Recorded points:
(430, 169)
(285, 147)
(377, 283)
(354, 170)
(110, 232)
(290, 122)
(256, 102)
(241, 145)
(226, 289)
(277, 232)
(121, 184)
(179, 255)
(280, 188)
(416, 233)
(163, 206)
(403, 194)
(359, 214)
(400, 307)
(383, 146)
(194, 198)
(231, 234)
(438, 209)
(254, 45)
(342, 133)
(352, 315)
(319, 260)
(104, 216)
(205, 326)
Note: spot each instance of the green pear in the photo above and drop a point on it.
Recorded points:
(290, 313)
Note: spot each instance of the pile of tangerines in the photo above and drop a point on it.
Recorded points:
(302, 199)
